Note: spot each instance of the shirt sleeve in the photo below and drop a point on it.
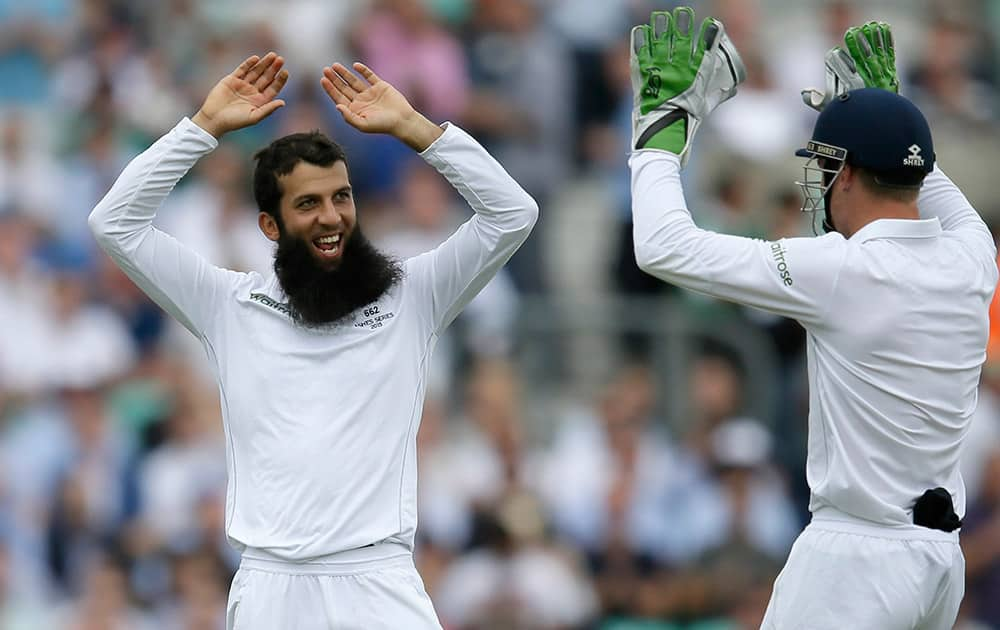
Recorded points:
(453, 273)
(941, 198)
(180, 281)
(794, 277)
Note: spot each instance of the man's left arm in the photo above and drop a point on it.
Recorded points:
(504, 215)
(452, 274)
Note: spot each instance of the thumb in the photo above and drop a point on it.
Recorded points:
(266, 110)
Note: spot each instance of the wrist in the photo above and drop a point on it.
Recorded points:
(205, 122)
(669, 133)
(417, 132)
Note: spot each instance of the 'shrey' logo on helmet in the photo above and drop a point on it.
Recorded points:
(914, 159)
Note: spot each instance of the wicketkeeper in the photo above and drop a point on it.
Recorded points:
(893, 298)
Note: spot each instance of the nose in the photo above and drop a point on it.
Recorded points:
(329, 216)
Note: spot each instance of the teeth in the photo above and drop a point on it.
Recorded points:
(329, 239)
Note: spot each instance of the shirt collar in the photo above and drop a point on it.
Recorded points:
(898, 228)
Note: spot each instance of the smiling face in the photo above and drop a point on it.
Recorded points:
(325, 265)
(317, 208)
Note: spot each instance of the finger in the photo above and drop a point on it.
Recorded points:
(660, 21)
(856, 45)
(709, 34)
(852, 43)
(330, 87)
(874, 37)
(885, 65)
(640, 37)
(276, 85)
(659, 29)
(258, 68)
(890, 45)
(660, 33)
(269, 73)
(338, 84)
(876, 56)
(863, 44)
(683, 23)
(242, 69)
(349, 77)
(266, 110)
(351, 118)
(367, 73)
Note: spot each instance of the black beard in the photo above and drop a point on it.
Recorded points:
(319, 296)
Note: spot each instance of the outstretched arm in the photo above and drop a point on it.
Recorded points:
(179, 280)
(447, 278)
(793, 277)
(678, 78)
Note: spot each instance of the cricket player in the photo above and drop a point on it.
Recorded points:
(322, 366)
(894, 300)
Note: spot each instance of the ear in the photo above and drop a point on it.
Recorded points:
(846, 178)
(268, 226)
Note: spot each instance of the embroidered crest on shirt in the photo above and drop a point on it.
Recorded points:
(374, 318)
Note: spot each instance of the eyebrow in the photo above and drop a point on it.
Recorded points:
(306, 196)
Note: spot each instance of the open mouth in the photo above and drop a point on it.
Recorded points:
(328, 247)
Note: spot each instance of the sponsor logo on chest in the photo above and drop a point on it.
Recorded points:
(270, 302)
(372, 317)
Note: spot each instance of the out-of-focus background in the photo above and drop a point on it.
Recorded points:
(598, 450)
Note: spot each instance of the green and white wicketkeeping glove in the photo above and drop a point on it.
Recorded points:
(869, 61)
(678, 79)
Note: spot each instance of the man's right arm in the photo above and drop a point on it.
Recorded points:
(794, 277)
(177, 279)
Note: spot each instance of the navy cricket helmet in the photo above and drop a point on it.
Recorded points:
(873, 129)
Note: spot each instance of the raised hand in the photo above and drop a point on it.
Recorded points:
(244, 97)
(375, 106)
(679, 76)
(869, 61)
(872, 49)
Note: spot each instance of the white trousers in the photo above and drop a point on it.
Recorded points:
(862, 577)
(369, 590)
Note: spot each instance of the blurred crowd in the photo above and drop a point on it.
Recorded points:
(607, 509)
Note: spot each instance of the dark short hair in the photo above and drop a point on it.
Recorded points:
(897, 186)
(280, 157)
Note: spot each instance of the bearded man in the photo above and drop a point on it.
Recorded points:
(321, 367)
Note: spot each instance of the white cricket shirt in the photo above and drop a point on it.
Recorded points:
(897, 324)
(320, 424)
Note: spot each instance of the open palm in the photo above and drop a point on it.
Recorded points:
(245, 96)
(372, 106)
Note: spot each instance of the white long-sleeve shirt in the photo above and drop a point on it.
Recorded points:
(897, 325)
(320, 423)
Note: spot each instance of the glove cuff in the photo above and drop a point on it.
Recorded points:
(669, 133)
